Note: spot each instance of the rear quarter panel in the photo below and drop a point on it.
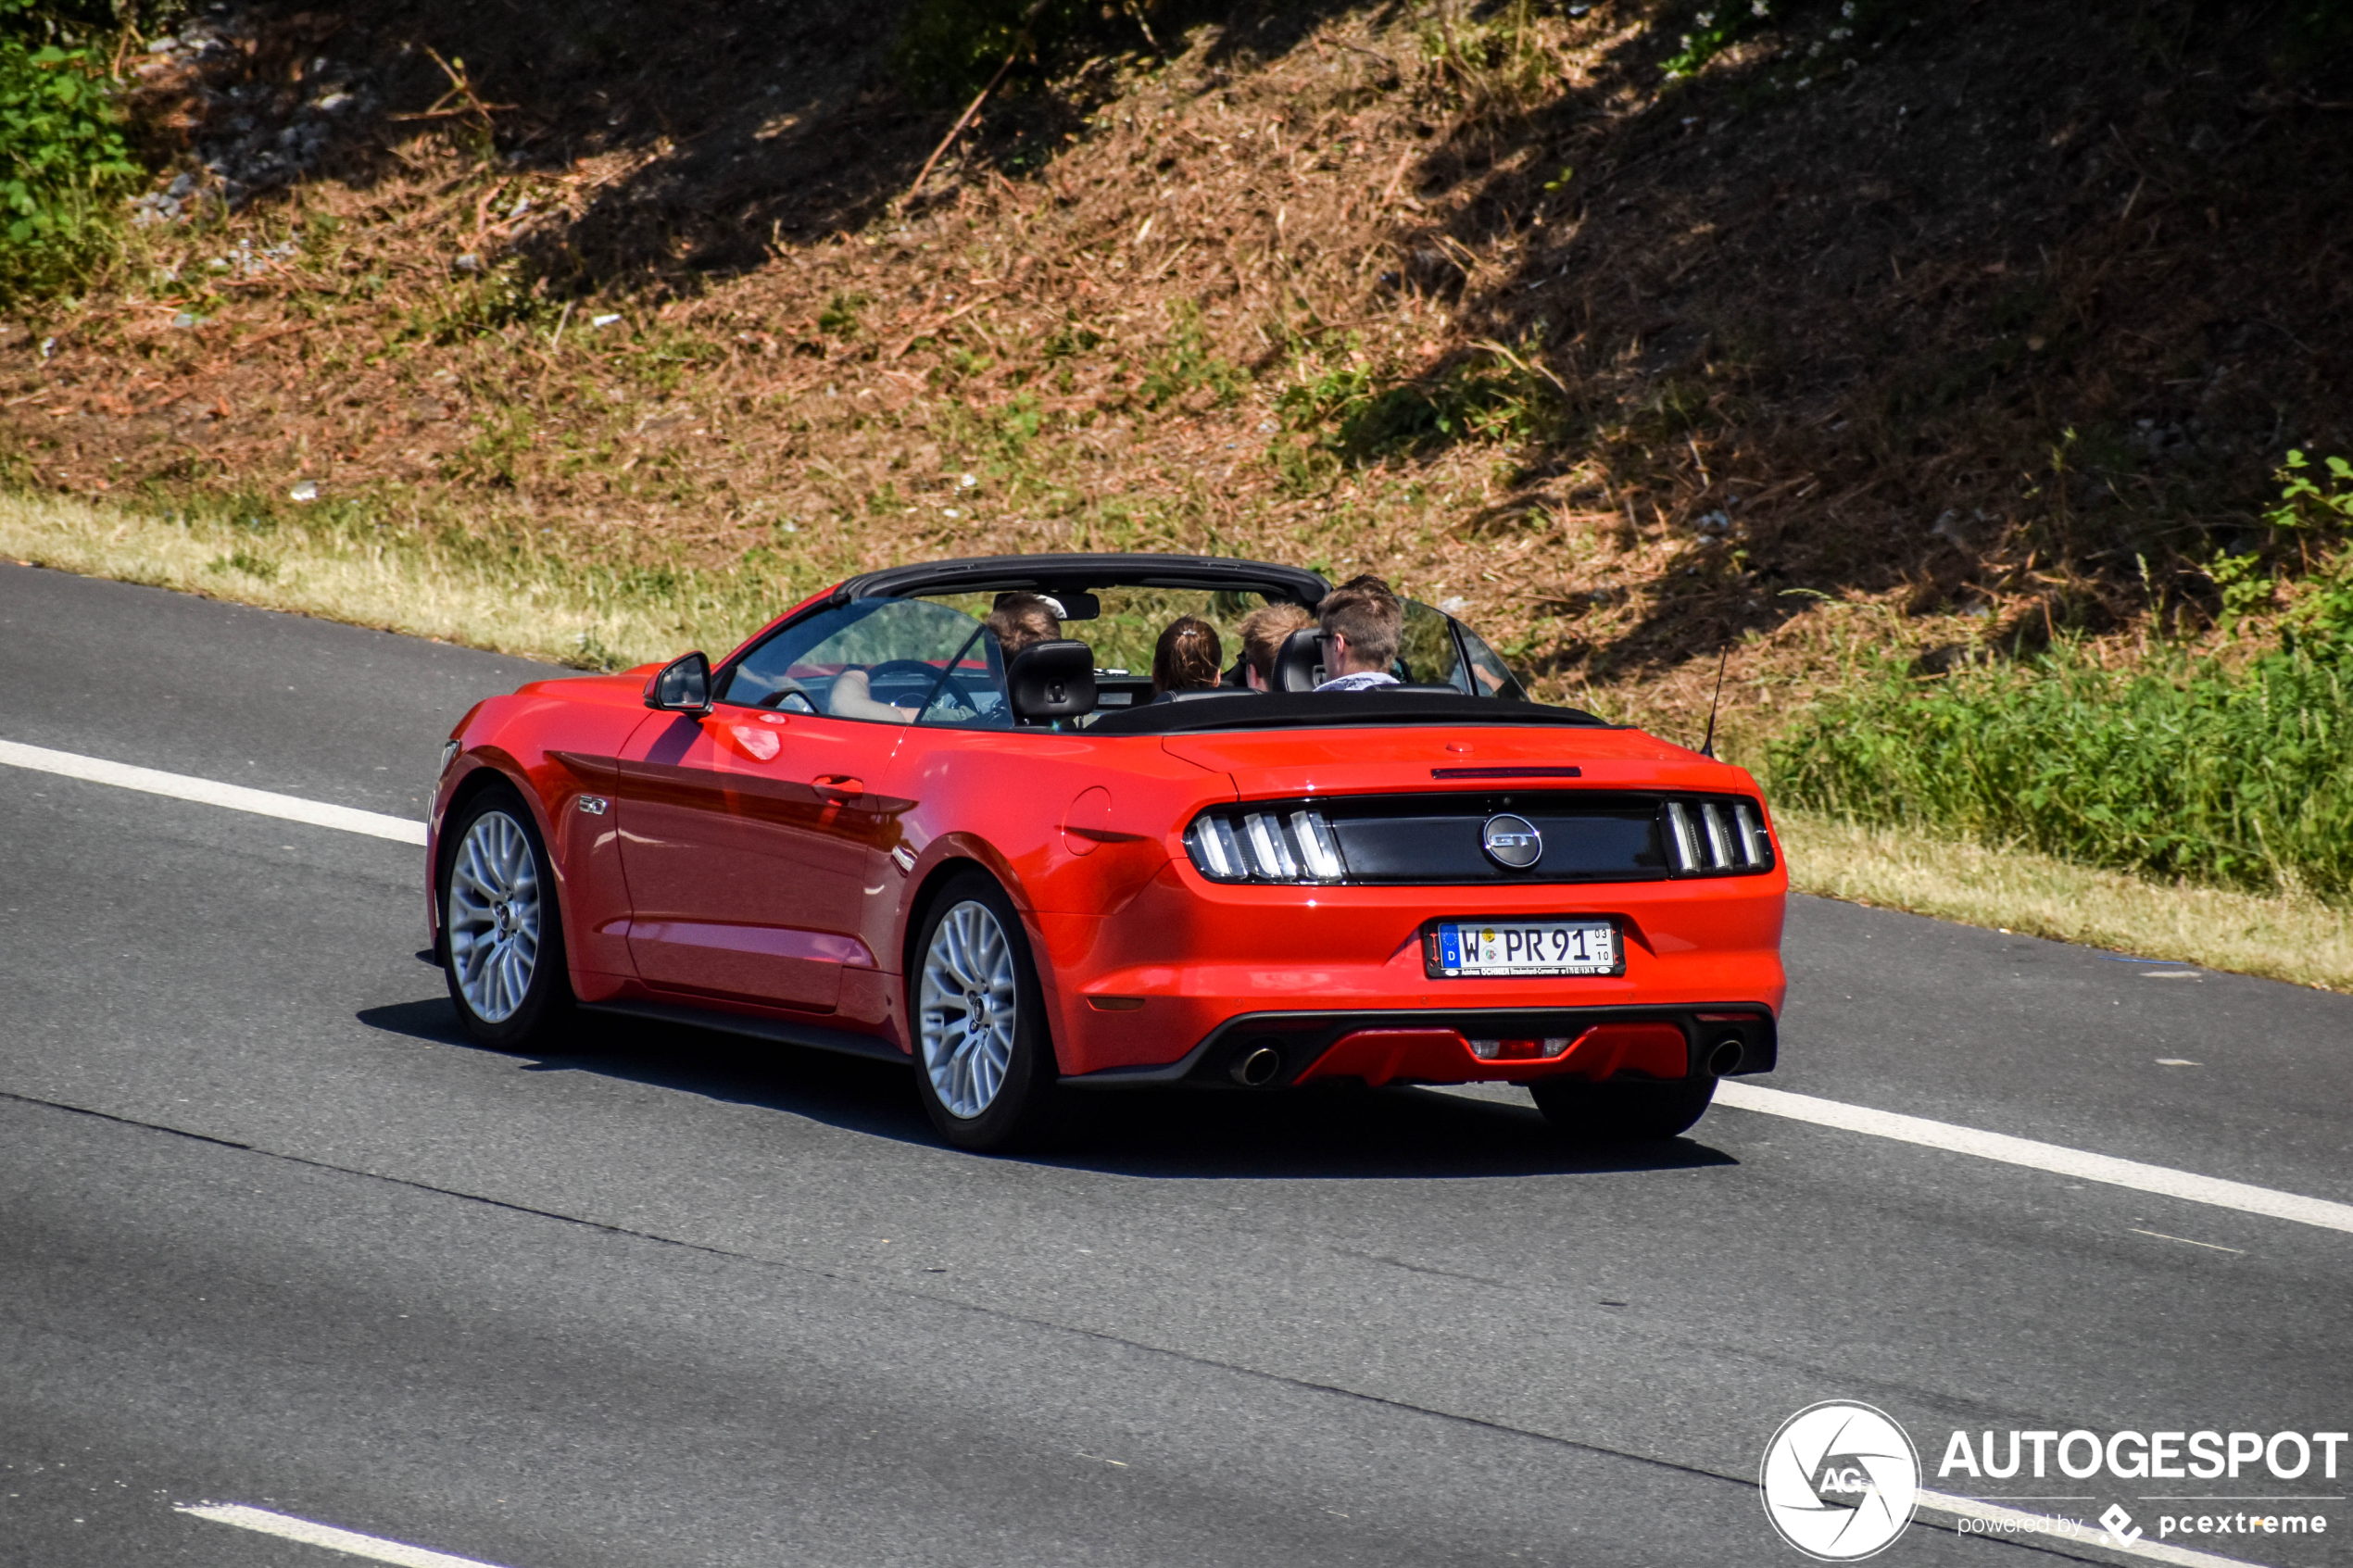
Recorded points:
(1075, 827)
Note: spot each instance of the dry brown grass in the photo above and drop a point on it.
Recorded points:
(1764, 343)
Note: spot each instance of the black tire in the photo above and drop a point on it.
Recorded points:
(472, 960)
(1623, 1110)
(953, 1042)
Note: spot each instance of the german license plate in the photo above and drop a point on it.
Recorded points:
(1464, 948)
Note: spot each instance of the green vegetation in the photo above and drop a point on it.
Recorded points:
(1189, 365)
(950, 49)
(1495, 395)
(63, 159)
(2232, 766)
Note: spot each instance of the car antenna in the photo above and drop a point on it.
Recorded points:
(1707, 746)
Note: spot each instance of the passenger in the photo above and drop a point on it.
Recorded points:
(1263, 632)
(1019, 619)
(1363, 625)
(1186, 658)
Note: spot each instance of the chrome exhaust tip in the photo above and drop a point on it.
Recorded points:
(1254, 1067)
(1726, 1057)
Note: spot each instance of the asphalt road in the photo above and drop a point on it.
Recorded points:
(270, 1234)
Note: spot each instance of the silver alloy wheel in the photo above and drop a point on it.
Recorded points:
(494, 916)
(968, 1009)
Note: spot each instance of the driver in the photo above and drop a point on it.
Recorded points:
(1019, 619)
(1363, 625)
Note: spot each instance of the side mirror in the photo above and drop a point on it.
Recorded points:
(683, 686)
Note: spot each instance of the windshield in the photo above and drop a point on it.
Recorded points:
(941, 659)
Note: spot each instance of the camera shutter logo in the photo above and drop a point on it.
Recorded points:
(1840, 1480)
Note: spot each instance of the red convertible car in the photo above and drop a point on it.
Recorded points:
(868, 829)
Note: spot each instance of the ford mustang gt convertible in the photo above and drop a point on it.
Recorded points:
(870, 830)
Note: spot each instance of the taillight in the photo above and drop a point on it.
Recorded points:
(1716, 837)
(1268, 844)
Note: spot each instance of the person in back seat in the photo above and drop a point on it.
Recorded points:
(1263, 631)
(1363, 625)
(1186, 658)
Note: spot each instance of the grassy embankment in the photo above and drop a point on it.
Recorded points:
(546, 607)
(1632, 341)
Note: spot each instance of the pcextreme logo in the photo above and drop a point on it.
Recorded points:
(1840, 1480)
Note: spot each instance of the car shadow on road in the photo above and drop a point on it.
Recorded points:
(1332, 1132)
(1337, 1132)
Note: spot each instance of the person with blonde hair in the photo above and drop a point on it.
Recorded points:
(1264, 632)
(1186, 658)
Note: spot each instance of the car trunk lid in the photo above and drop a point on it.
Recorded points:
(1353, 761)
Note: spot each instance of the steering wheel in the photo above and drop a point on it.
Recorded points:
(791, 688)
(892, 670)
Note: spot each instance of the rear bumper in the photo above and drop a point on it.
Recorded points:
(1435, 1045)
(1146, 992)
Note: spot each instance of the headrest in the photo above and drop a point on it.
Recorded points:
(1299, 663)
(1051, 680)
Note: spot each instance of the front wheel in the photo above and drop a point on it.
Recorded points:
(1623, 1110)
(505, 941)
(984, 1064)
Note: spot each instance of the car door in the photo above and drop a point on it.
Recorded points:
(750, 834)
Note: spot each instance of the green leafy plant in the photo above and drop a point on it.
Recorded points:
(1497, 67)
(2324, 609)
(839, 319)
(2308, 512)
(950, 49)
(1714, 29)
(2304, 504)
(1500, 395)
(63, 159)
(1189, 365)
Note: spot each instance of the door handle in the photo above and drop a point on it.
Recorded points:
(838, 786)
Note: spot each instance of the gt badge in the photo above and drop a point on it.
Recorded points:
(1512, 841)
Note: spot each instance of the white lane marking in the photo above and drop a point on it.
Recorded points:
(285, 1527)
(236, 798)
(2054, 1158)
(2028, 1528)
(2186, 1241)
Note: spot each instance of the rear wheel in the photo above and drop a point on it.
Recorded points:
(983, 1063)
(499, 921)
(1623, 1110)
